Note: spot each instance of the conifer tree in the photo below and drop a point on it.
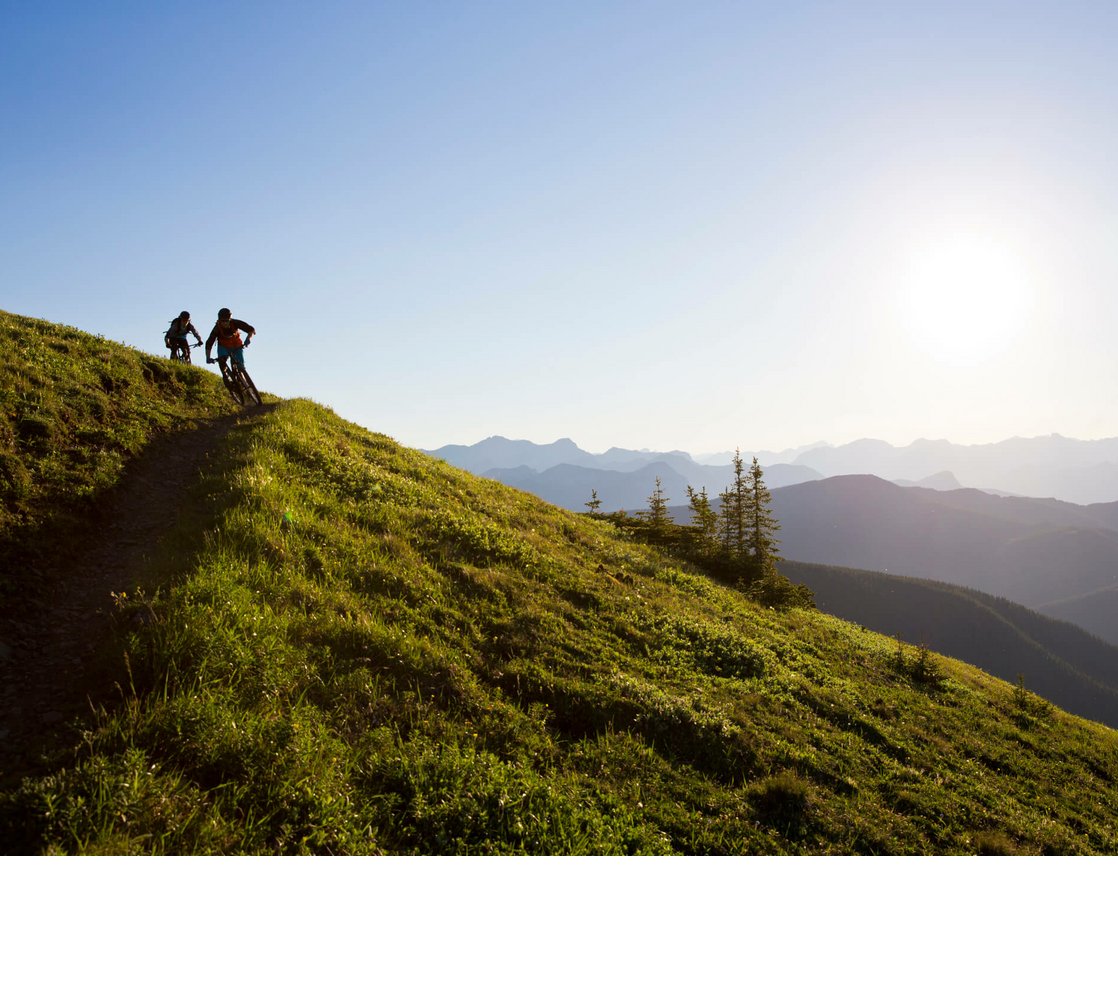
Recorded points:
(594, 503)
(761, 526)
(704, 521)
(659, 521)
(733, 519)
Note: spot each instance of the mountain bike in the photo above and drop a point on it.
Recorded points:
(180, 350)
(239, 384)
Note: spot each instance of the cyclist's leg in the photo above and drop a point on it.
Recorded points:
(228, 360)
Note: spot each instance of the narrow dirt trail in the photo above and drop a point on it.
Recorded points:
(47, 676)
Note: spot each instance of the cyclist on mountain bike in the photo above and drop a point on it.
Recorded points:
(227, 334)
(175, 337)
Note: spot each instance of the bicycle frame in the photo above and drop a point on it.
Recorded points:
(180, 350)
(238, 383)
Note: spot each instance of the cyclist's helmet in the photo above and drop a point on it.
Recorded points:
(224, 314)
(184, 316)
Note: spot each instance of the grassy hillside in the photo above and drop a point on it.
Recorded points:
(1058, 660)
(349, 647)
(74, 409)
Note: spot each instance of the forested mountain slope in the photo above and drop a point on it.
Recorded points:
(340, 645)
(1097, 612)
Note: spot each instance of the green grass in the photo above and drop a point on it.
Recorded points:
(370, 651)
(74, 409)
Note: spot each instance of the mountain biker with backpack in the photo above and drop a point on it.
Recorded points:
(175, 337)
(227, 334)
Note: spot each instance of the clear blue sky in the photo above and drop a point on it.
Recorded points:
(671, 225)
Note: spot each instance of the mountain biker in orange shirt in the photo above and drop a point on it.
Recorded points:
(227, 334)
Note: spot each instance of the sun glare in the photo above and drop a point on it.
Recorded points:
(964, 299)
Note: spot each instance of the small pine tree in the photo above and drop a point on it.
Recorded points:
(732, 517)
(761, 526)
(899, 662)
(1029, 705)
(924, 668)
(704, 521)
(659, 521)
(594, 503)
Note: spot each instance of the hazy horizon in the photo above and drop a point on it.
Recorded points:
(729, 451)
(643, 225)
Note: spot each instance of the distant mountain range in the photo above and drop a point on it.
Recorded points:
(1037, 552)
(1072, 470)
(1079, 471)
(565, 475)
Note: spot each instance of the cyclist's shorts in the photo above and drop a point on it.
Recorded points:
(237, 354)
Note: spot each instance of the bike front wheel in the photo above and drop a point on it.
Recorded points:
(248, 388)
(232, 384)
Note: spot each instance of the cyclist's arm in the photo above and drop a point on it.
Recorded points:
(244, 327)
(210, 340)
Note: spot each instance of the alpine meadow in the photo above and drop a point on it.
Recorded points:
(317, 640)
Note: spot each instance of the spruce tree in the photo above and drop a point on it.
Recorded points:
(733, 517)
(659, 521)
(761, 526)
(704, 521)
(594, 503)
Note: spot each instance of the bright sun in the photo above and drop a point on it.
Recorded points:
(964, 298)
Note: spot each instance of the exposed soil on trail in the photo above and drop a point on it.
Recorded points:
(49, 679)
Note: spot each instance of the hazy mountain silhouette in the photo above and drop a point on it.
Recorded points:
(1073, 470)
(1080, 471)
(945, 480)
(565, 475)
(497, 452)
(1032, 551)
